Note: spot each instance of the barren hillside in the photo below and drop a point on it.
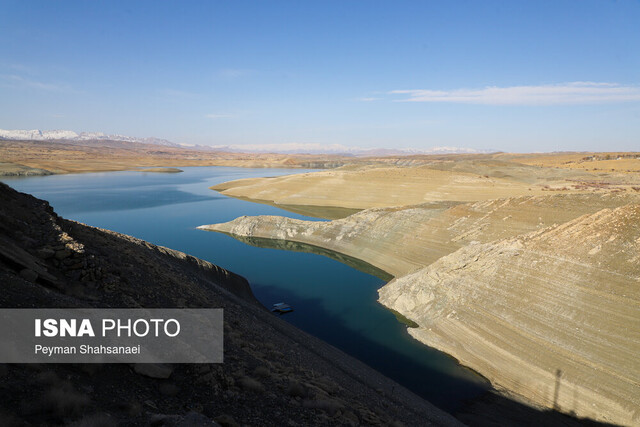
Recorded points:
(400, 240)
(373, 186)
(553, 315)
(103, 155)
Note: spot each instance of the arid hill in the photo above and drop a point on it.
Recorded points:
(452, 180)
(625, 162)
(97, 156)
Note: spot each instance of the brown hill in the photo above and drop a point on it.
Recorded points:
(455, 180)
(104, 155)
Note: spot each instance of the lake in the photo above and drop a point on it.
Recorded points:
(332, 300)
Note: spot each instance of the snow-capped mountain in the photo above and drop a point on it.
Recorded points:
(45, 135)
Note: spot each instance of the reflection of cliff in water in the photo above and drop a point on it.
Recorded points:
(288, 245)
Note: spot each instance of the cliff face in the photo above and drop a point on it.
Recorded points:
(550, 312)
(400, 240)
(273, 373)
(552, 315)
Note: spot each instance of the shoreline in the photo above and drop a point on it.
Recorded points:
(17, 170)
(321, 212)
(295, 246)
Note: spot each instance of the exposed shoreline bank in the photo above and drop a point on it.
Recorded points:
(383, 238)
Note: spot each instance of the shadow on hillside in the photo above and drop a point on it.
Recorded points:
(493, 409)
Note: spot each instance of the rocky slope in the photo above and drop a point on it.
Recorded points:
(400, 240)
(273, 374)
(501, 286)
(553, 315)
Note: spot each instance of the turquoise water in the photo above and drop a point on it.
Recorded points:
(332, 301)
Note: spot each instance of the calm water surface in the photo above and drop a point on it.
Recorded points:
(332, 301)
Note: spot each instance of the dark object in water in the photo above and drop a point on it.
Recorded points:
(281, 308)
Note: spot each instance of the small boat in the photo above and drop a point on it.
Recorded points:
(281, 308)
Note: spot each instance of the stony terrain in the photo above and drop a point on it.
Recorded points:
(537, 292)
(273, 374)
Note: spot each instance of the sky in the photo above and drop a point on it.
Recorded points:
(519, 76)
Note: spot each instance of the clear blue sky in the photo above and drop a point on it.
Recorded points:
(507, 75)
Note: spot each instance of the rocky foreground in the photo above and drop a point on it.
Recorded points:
(273, 374)
(540, 294)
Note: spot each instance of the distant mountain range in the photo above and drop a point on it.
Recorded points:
(286, 148)
(48, 135)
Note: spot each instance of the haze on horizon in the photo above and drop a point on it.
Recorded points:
(510, 76)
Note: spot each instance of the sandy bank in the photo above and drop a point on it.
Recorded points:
(15, 169)
(366, 187)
